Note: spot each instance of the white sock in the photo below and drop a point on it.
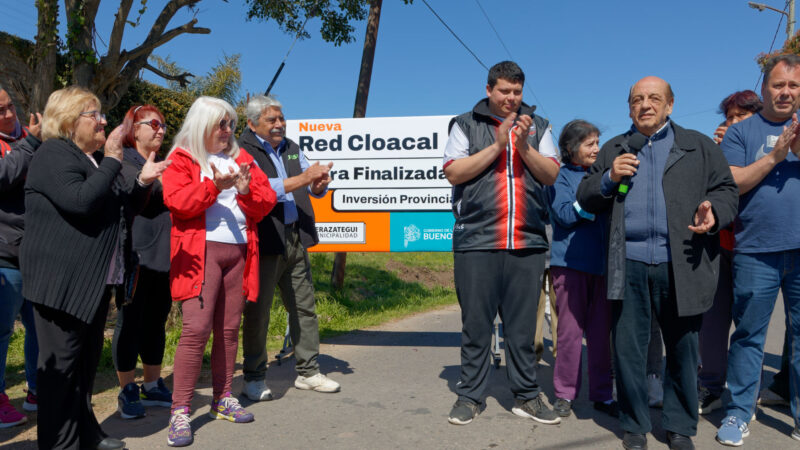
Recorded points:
(150, 385)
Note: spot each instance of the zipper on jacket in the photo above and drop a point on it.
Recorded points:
(510, 189)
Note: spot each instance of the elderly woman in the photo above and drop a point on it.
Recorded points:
(72, 257)
(139, 330)
(577, 265)
(216, 195)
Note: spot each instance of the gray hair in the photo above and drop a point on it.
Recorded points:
(258, 104)
(204, 114)
(790, 60)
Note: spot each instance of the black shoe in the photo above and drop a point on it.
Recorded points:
(679, 442)
(634, 441)
(708, 401)
(535, 409)
(110, 443)
(562, 407)
(612, 409)
(463, 412)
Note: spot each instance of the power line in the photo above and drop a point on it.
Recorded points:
(456, 36)
(528, 85)
(773, 40)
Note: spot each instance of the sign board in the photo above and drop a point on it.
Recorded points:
(388, 192)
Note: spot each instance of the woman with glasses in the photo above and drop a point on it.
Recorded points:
(139, 330)
(216, 195)
(73, 258)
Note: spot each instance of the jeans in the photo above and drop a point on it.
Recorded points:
(757, 279)
(11, 305)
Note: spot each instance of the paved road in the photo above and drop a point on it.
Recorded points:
(397, 391)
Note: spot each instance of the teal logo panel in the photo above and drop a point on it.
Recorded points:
(421, 232)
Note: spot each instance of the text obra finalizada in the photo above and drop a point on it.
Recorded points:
(395, 173)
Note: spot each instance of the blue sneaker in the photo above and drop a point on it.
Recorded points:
(129, 405)
(732, 431)
(158, 396)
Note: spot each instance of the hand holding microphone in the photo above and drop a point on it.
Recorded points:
(624, 166)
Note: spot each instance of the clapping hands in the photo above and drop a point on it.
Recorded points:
(240, 179)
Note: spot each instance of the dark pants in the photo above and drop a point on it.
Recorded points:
(69, 351)
(292, 274)
(649, 289)
(716, 330)
(140, 324)
(488, 283)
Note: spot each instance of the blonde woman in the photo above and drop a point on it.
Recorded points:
(73, 257)
(216, 195)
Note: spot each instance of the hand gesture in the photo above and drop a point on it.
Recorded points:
(520, 132)
(719, 133)
(321, 183)
(113, 145)
(35, 125)
(223, 180)
(624, 166)
(703, 218)
(795, 145)
(243, 179)
(502, 132)
(315, 172)
(786, 140)
(152, 170)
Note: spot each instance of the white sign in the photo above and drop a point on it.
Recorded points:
(380, 164)
(341, 232)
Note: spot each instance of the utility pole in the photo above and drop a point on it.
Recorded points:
(789, 13)
(360, 110)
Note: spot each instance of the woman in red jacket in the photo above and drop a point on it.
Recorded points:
(216, 195)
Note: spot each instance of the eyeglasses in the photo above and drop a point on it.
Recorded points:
(154, 124)
(5, 109)
(95, 114)
(231, 124)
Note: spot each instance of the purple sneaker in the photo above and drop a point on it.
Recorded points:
(179, 433)
(228, 408)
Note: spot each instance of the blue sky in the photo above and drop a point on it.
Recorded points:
(580, 57)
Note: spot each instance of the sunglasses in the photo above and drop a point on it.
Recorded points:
(154, 124)
(230, 124)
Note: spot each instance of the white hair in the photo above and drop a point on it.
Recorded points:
(258, 104)
(203, 116)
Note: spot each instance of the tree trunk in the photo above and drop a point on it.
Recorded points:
(360, 110)
(45, 53)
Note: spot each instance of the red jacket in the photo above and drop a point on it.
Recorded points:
(188, 197)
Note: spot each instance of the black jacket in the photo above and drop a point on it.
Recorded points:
(271, 230)
(485, 205)
(150, 229)
(14, 159)
(695, 171)
(74, 214)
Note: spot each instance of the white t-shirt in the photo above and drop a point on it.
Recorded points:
(225, 221)
(458, 145)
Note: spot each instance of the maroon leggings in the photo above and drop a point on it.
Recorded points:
(219, 308)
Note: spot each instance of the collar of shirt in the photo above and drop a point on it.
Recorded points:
(658, 135)
(15, 135)
(267, 146)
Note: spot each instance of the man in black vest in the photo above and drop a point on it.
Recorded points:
(284, 235)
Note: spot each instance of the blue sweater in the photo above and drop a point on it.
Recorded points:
(578, 243)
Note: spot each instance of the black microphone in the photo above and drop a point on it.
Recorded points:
(635, 143)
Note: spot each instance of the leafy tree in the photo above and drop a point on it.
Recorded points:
(223, 80)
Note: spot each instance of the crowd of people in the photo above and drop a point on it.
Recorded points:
(664, 236)
(86, 218)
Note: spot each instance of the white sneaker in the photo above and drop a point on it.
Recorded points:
(655, 391)
(257, 390)
(318, 382)
(768, 397)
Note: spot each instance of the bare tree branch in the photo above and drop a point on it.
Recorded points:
(149, 45)
(115, 42)
(180, 78)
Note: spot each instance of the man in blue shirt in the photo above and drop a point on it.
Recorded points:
(762, 152)
(284, 236)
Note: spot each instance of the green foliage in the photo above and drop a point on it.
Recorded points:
(173, 104)
(290, 16)
(224, 80)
